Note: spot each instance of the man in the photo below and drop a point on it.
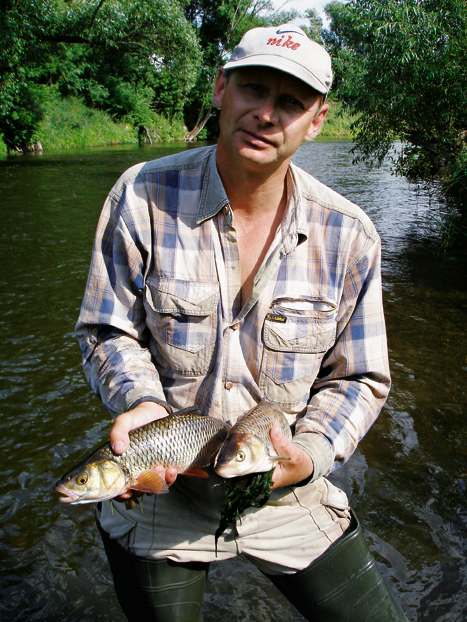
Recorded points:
(222, 276)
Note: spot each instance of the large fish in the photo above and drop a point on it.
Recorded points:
(248, 447)
(185, 441)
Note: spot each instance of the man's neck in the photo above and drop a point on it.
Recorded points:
(258, 198)
(253, 191)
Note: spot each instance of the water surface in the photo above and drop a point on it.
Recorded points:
(407, 480)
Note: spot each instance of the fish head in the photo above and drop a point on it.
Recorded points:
(91, 482)
(242, 453)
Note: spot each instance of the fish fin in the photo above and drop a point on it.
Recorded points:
(131, 503)
(278, 458)
(195, 472)
(190, 409)
(150, 481)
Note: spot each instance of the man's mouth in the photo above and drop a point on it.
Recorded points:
(257, 139)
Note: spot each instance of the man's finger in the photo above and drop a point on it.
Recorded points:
(119, 438)
(280, 441)
(170, 476)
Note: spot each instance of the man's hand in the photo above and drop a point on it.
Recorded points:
(135, 418)
(289, 472)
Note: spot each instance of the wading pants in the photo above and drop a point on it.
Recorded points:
(342, 585)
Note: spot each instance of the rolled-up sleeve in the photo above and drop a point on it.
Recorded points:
(354, 379)
(111, 328)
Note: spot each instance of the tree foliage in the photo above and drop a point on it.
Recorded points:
(123, 56)
(401, 68)
(130, 58)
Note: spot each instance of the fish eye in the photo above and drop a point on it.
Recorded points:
(240, 456)
(82, 479)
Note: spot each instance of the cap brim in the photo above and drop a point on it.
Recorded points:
(282, 64)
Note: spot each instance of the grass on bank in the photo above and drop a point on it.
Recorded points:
(337, 123)
(69, 124)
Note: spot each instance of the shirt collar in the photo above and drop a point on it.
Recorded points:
(214, 198)
(294, 225)
(301, 217)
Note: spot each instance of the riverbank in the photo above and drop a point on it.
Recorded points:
(69, 124)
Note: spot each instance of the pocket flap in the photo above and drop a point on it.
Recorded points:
(299, 335)
(178, 296)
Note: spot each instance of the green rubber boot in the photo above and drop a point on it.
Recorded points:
(150, 590)
(342, 585)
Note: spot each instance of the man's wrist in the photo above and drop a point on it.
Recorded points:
(149, 398)
(319, 450)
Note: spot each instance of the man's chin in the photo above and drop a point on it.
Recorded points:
(259, 158)
(258, 153)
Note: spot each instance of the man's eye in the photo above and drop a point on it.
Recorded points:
(256, 88)
(293, 103)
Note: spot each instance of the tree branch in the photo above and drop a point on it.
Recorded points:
(94, 15)
(78, 39)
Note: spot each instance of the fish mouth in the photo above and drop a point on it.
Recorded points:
(69, 497)
(229, 471)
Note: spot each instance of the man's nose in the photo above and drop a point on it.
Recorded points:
(267, 111)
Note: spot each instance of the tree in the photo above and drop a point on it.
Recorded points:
(315, 29)
(401, 69)
(123, 56)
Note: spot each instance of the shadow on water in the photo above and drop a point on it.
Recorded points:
(407, 480)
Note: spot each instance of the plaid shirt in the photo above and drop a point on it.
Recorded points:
(162, 319)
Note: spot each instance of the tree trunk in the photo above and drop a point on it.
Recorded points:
(143, 135)
(190, 136)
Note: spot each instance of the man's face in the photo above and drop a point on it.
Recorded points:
(265, 116)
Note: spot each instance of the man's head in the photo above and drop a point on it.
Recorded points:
(288, 49)
(271, 99)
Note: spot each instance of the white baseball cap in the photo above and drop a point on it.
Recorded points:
(288, 49)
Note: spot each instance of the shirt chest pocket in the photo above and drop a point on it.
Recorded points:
(295, 342)
(182, 318)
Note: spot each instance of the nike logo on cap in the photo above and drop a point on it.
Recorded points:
(283, 32)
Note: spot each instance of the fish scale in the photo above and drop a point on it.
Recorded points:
(176, 441)
(185, 441)
(259, 421)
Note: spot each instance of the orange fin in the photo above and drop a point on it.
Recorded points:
(195, 472)
(150, 481)
(131, 503)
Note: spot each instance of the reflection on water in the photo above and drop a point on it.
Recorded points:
(407, 479)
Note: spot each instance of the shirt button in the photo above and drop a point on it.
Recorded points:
(226, 210)
(228, 385)
(236, 326)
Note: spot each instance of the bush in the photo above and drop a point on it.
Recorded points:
(338, 122)
(455, 180)
(69, 124)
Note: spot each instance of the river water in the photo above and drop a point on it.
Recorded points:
(407, 480)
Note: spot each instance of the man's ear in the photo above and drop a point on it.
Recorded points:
(317, 123)
(219, 88)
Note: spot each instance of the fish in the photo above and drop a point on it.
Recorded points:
(248, 447)
(186, 441)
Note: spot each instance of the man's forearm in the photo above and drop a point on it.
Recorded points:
(119, 369)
